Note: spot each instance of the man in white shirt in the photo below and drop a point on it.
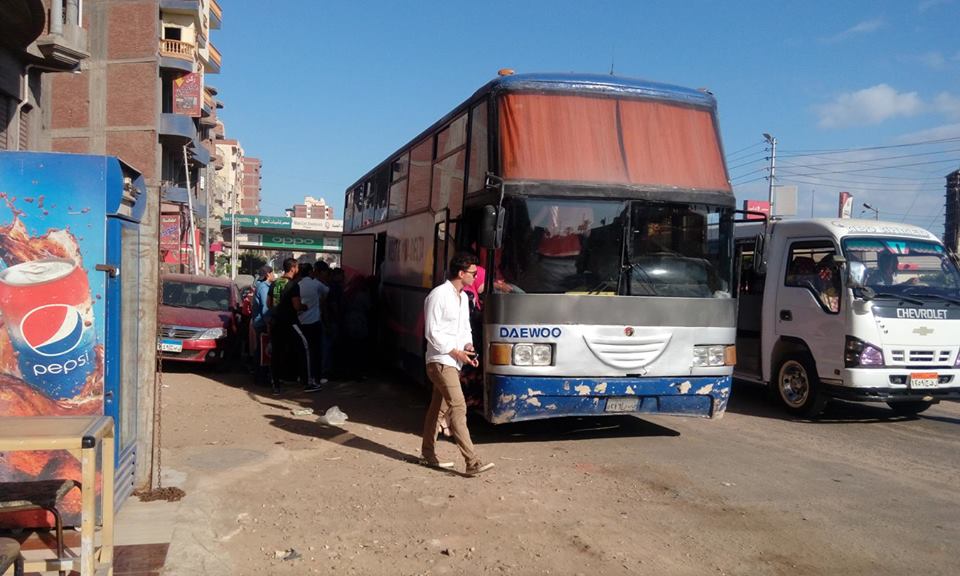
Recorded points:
(449, 347)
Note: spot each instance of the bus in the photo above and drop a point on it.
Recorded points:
(601, 210)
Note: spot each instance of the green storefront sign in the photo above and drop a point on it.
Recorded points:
(255, 221)
(299, 243)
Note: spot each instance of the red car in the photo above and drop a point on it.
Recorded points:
(198, 318)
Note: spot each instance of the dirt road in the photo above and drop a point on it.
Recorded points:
(860, 492)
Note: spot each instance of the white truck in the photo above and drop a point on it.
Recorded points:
(850, 309)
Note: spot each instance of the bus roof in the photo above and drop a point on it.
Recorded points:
(838, 228)
(598, 84)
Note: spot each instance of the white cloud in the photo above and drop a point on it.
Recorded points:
(939, 133)
(933, 59)
(868, 106)
(929, 4)
(948, 105)
(864, 27)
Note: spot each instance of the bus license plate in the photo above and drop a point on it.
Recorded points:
(924, 379)
(170, 345)
(622, 404)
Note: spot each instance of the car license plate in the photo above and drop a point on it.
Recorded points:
(628, 404)
(924, 379)
(170, 345)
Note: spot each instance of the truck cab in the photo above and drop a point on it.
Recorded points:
(851, 309)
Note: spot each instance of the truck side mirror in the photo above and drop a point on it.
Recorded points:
(759, 265)
(856, 274)
(491, 227)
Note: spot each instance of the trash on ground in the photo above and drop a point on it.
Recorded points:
(290, 554)
(333, 417)
(302, 411)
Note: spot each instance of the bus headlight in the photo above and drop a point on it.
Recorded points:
(715, 355)
(505, 354)
(542, 354)
(523, 354)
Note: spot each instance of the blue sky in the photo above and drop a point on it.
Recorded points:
(323, 90)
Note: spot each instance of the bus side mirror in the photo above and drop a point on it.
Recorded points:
(491, 227)
(856, 274)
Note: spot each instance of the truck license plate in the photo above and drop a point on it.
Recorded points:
(924, 379)
(170, 345)
(628, 404)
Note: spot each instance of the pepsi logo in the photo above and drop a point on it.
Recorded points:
(53, 329)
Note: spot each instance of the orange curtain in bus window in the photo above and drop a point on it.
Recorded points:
(551, 137)
(671, 145)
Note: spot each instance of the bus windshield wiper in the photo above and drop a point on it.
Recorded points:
(870, 294)
(938, 296)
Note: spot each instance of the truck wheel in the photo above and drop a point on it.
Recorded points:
(910, 408)
(798, 388)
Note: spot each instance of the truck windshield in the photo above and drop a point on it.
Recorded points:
(901, 267)
(627, 247)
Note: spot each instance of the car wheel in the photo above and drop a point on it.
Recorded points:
(797, 386)
(909, 408)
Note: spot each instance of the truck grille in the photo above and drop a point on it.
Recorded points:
(922, 356)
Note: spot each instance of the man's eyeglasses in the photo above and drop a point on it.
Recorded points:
(471, 272)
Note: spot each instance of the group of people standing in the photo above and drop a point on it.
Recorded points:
(294, 321)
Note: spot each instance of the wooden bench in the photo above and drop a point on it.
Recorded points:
(38, 495)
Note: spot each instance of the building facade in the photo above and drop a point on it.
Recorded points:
(312, 208)
(37, 38)
(250, 197)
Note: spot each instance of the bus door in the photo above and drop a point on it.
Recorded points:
(357, 256)
(749, 311)
(444, 244)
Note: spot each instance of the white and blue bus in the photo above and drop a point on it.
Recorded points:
(602, 212)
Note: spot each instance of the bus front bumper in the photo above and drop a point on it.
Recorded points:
(517, 398)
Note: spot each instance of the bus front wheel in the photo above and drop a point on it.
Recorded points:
(797, 386)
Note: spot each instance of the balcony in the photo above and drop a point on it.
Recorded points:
(216, 15)
(213, 60)
(177, 54)
(66, 44)
(178, 127)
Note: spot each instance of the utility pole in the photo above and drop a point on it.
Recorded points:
(773, 169)
(876, 212)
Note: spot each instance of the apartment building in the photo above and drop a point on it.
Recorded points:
(312, 208)
(250, 197)
(37, 38)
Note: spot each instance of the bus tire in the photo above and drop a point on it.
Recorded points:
(797, 386)
(909, 408)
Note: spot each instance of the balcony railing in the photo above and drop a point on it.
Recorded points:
(215, 56)
(216, 14)
(177, 49)
(209, 102)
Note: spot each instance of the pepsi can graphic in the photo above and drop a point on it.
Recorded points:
(46, 307)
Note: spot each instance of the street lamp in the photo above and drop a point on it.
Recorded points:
(876, 213)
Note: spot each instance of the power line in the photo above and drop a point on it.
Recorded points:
(875, 168)
(745, 148)
(876, 159)
(848, 150)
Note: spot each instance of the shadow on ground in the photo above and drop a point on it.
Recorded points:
(392, 403)
(754, 400)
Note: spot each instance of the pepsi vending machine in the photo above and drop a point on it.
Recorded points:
(69, 305)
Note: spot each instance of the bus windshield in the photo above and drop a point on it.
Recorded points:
(626, 247)
(904, 267)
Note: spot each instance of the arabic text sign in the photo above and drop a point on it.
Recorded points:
(321, 225)
(256, 221)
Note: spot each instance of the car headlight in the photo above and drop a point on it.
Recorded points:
(860, 354)
(713, 355)
(523, 354)
(212, 334)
